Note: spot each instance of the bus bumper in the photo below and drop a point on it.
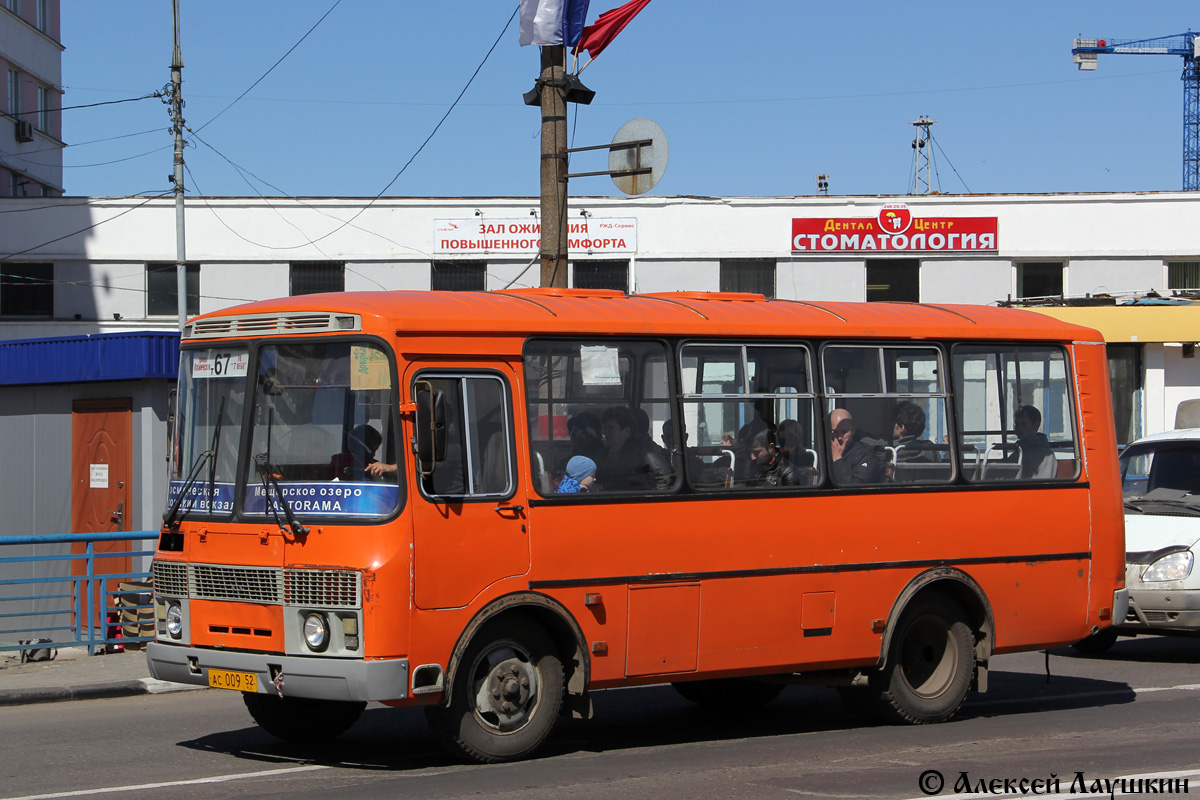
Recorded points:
(292, 676)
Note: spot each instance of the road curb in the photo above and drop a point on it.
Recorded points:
(90, 691)
(57, 694)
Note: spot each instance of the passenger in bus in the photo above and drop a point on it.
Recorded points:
(580, 475)
(1036, 457)
(627, 464)
(909, 425)
(357, 461)
(856, 456)
(641, 433)
(769, 467)
(794, 446)
(586, 439)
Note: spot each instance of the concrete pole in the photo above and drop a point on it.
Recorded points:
(177, 128)
(554, 167)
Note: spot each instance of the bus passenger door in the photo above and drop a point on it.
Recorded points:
(470, 526)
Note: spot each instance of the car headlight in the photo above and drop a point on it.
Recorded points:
(174, 620)
(316, 632)
(1173, 567)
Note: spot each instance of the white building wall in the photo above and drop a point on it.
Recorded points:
(1113, 276)
(981, 280)
(802, 279)
(654, 275)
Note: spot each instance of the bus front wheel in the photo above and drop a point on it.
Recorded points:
(300, 719)
(930, 661)
(505, 695)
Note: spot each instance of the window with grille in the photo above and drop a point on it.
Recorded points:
(894, 279)
(1040, 279)
(310, 277)
(756, 276)
(162, 290)
(1184, 275)
(26, 290)
(602, 275)
(459, 276)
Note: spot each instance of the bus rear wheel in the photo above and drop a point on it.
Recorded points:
(505, 695)
(930, 661)
(729, 694)
(301, 719)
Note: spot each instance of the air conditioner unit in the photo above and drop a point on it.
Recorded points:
(24, 131)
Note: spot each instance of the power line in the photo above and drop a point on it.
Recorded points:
(81, 230)
(273, 66)
(86, 105)
(412, 158)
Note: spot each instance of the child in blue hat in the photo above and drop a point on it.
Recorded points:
(581, 474)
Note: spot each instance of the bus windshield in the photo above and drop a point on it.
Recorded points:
(321, 433)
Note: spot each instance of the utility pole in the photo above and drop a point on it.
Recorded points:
(177, 178)
(553, 86)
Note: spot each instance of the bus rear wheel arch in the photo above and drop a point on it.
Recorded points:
(506, 693)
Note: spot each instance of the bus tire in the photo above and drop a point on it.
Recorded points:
(729, 694)
(930, 661)
(505, 695)
(1097, 644)
(301, 719)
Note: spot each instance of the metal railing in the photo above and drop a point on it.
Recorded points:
(62, 599)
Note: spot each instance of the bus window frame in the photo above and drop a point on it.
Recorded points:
(1072, 403)
(443, 372)
(245, 438)
(636, 382)
(947, 396)
(809, 392)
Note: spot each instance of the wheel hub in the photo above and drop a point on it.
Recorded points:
(507, 693)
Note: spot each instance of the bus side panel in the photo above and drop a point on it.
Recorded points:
(1104, 475)
(804, 580)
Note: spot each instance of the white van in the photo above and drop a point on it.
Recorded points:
(1160, 476)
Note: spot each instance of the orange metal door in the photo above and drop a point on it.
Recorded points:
(463, 544)
(101, 478)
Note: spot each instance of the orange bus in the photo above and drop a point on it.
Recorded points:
(491, 504)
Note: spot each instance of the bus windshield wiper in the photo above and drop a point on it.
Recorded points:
(211, 455)
(171, 521)
(267, 474)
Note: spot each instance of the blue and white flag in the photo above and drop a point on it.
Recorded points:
(552, 22)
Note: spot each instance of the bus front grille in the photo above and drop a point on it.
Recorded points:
(250, 584)
(313, 588)
(170, 578)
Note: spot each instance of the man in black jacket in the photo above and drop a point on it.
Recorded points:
(856, 456)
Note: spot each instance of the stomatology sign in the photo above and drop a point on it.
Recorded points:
(479, 235)
(894, 229)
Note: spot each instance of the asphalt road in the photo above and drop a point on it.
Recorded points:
(1131, 713)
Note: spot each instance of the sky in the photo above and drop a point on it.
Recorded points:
(755, 98)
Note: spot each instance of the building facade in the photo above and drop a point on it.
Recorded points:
(89, 268)
(31, 158)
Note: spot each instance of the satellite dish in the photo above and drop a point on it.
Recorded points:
(652, 156)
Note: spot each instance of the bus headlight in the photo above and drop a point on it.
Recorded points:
(174, 620)
(1172, 567)
(316, 632)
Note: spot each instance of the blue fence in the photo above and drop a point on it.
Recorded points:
(65, 599)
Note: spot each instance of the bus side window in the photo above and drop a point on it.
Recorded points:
(479, 444)
(1015, 413)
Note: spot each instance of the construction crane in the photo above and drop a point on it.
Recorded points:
(1085, 52)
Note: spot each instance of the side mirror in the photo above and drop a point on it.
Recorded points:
(430, 426)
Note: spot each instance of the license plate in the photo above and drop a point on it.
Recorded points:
(228, 679)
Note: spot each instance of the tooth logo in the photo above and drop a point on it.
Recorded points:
(894, 218)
